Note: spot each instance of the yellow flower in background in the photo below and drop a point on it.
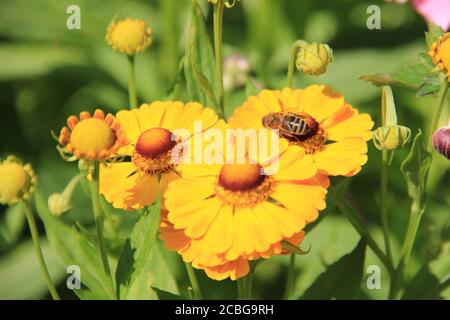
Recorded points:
(129, 36)
(96, 137)
(335, 133)
(151, 130)
(17, 181)
(237, 213)
(440, 53)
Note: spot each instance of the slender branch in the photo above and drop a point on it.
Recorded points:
(197, 294)
(291, 67)
(218, 48)
(38, 250)
(98, 216)
(245, 286)
(354, 219)
(132, 82)
(290, 278)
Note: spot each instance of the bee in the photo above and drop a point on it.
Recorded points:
(291, 125)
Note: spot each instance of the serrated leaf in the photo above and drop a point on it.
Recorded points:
(73, 248)
(430, 86)
(137, 250)
(199, 61)
(423, 283)
(342, 279)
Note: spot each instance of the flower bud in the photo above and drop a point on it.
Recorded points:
(60, 203)
(129, 36)
(441, 141)
(313, 59)
(17, 181)
(391, 137)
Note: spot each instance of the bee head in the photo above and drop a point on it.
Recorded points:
(272, 121)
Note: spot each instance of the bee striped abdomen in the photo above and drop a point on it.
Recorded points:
(296, 125)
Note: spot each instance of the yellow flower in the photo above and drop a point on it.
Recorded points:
(238, 214)
(151, 131)
(17, 181)
(129, 36)
(336, 141)
(92, 138)
(440, 53)
(314, 59)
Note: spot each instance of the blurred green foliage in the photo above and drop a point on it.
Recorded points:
(48, 72)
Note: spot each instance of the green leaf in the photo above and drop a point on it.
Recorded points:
(415, 168)
(12, 226)
(433, 33)
(423, 285)
(21, 276)
(73, 248)
(342, 279)
(199, 61)
(137, 250)
(430, 86)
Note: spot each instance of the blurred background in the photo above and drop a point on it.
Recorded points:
(48, 72)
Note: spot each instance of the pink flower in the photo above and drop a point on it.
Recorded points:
(436, 11)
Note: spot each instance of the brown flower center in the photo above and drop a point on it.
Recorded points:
(243, 185)
(153, 151)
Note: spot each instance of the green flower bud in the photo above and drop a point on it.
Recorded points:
(390, 136)
(313, 59)
(60, 203)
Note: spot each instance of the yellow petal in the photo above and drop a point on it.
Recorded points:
(355, 126)
(129, 123)
(115, 181)
(320, 102)
(295, 165)
(143, 194)
(303, 200)
(151, 115)
(342, 157)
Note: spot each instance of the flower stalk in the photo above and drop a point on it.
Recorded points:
(291, 67)
(38, 250)
(290, 277)
(98, 217)
(132, 82)
(196, 292)
(245, 287)
(218, 49)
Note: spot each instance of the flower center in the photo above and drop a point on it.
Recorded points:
(15, 181)
(444, 53)
(311, 143)
(92, 135)
(152, 153)
(243, 185)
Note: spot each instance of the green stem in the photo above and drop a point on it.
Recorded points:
(418, 205)
(98, 216)
(383, 201)
(197, 294)
(245, 286)
(355, 220)
(291, 67)
(218, 48)
(414, 222)
(38, 250)
(290, 278)
(132, 82)
(437, 114)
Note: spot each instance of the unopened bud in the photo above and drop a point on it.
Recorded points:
(60, 203)
(441, 141)
(313, 59)
(390, 136)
